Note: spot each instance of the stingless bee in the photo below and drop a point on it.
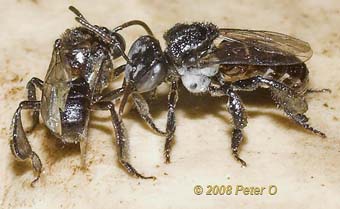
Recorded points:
(80, 69)
(220, 62)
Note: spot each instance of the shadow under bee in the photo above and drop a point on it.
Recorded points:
(56, 150)
(199, 107)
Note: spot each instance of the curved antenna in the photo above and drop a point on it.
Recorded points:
(81, 19)
(75, 11)
(134, 22)
(110, 40)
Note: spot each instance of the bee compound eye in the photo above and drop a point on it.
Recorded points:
(148, 79)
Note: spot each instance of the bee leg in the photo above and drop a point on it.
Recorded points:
(119, 70)
(312, 91)
(171, 120)
(121, 138)
(293, 104)
(20, 146)
(237, 111)
(31, 89)
(144, 111)
(110, 96)
(239, 117)
(235, 143)
(141, 105)
(302, 120)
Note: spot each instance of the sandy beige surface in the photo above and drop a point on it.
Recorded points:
(304, 167)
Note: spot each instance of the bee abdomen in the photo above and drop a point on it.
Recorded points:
(294, 76)
(74, 118)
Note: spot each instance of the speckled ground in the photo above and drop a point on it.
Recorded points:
(304, 167)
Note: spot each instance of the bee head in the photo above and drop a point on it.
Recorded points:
(114, 40)
(147, 67)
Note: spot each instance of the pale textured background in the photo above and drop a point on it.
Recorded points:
(305, 168)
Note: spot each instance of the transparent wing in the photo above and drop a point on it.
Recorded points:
(57, 71)
(251, 47)
(56, 89)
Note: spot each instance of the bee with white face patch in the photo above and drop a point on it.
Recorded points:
(219, 62)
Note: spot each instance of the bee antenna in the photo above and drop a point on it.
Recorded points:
(81, 19)
(95, 29)
(76, 11)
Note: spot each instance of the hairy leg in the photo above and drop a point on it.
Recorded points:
(239, 117)
(144, 111)
(121, 138)
(171, 120)
(293, 104)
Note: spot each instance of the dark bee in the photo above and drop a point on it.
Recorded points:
(220, 62)
(80, 69)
